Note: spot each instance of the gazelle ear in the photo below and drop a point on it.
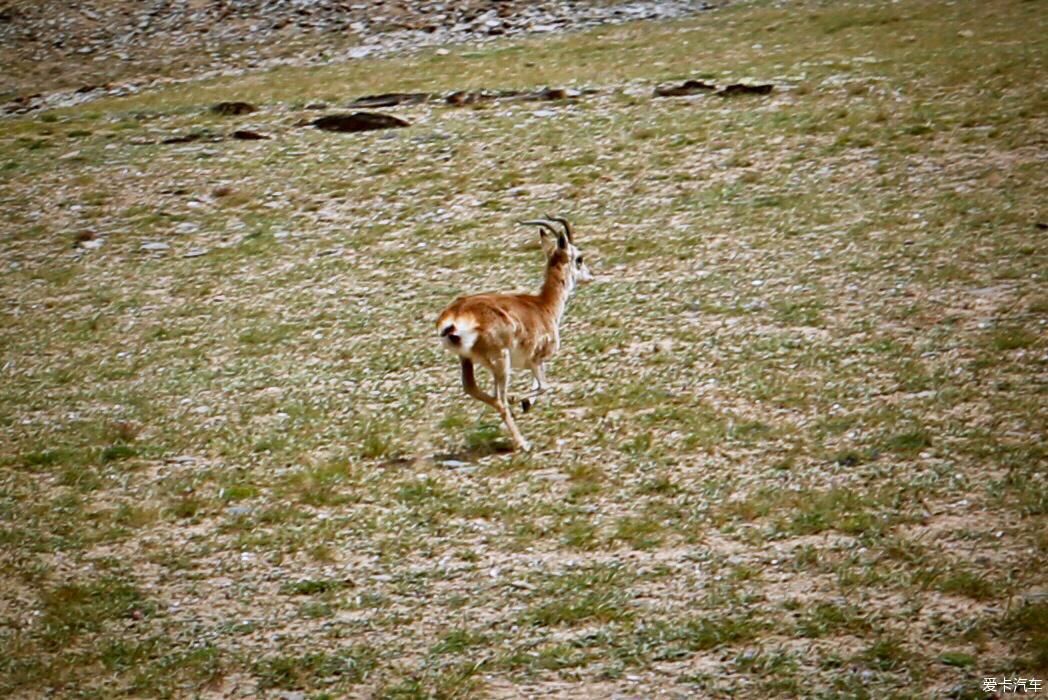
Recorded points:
(562, 242)
(547, 235)
(548, 244)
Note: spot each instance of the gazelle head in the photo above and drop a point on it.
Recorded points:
(561, 251)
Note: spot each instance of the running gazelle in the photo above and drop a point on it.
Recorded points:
(522, 331)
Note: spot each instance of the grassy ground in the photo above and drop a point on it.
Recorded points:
(797, 447)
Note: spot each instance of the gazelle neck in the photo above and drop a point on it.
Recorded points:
(556, 288)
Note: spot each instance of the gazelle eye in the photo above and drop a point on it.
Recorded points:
(578, 261)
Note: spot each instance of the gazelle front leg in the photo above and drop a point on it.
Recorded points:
(538, 386)
(501, 368)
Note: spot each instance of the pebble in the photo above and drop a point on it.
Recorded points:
(290, 695)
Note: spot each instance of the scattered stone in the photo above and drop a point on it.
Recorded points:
(232, 109)
(317, 105)
(248, 135)
(1035, 597)
(391, 99)
(221, 191)
(688, 87)
(361, 51)
(454, 463)
(187, 227)
(154, 246)
(195, 253)
(736, 89)
(359, 121)
(291, 695)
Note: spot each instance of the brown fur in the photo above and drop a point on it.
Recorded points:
(524, 322)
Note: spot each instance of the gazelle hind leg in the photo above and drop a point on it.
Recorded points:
(538, 386)
(501, 369)
(469, 384)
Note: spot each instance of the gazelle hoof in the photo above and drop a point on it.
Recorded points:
(525, 405)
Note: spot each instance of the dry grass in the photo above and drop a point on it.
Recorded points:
(797, 446)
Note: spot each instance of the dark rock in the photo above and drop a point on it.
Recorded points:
(467, 97)
(736, 89)
(549, 94)
(248, 135)
(203, 135)
(688, 87)
(359, 121)
(232, 109)
(391, 99)
(87, 240)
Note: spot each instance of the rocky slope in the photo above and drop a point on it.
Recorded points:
(99, 46)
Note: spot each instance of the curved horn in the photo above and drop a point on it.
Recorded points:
(540, 222)
(567, 227)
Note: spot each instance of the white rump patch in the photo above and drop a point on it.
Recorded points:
(458, 335)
